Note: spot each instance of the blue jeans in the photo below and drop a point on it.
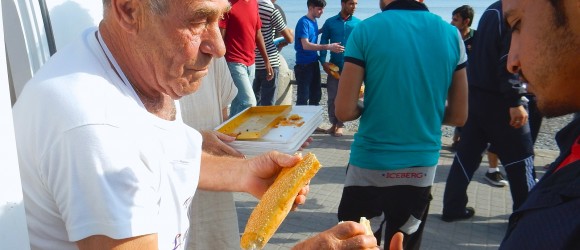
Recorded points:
(266, 91)
(308, 79)
(243, 77)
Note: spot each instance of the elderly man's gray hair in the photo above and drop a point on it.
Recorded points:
(158, 7)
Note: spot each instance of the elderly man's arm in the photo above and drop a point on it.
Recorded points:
(456, 108)
(252, 176)
(98, 242)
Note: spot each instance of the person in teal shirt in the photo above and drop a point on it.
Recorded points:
(413, 65)
(336, 29)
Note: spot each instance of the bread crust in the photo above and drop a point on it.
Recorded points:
(335, 74)
(277, 202)
(334, 70)
(333, 67)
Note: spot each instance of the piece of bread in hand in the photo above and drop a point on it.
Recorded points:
(277, 202)
(367, 224)
(334, 70)
(333, 67)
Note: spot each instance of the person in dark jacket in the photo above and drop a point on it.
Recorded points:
(544, 52)
(462, 18)
(496, 115)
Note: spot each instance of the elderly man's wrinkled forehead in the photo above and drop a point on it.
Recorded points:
(157, 6)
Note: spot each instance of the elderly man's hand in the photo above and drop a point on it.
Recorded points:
(347, 235)
(214, 143)
(262, 170)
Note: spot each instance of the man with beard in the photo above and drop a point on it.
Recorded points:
(545, 51)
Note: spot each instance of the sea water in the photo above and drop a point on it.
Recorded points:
(295, 9)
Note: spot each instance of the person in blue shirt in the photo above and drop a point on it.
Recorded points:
(336, 29)
(307, 69)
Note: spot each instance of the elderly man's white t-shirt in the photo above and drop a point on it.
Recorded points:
(94, 161)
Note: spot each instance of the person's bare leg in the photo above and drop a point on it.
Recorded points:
(493, 160)
(338, 131)
(493, 175)
(331, 129)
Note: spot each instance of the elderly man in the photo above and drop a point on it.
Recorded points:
(106, 161)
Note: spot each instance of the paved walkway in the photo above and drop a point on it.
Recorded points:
(484, 231)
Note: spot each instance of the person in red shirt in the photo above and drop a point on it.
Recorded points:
(240, 29)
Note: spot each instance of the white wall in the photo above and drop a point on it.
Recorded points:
(26, 51)
(13, 232)
(70, 18)
(26, 46)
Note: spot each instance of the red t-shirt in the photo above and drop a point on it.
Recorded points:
(573, 156)
(241, 24)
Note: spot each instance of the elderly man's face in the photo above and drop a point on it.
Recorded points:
(181, 43)
(546, 54)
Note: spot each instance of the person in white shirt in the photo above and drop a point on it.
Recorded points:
(213, 221)
(105, 158)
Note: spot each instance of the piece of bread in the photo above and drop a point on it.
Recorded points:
(361, 93)
(277, 202)
(367, 224)
(335, 74)
(333, 67)
(334, 70)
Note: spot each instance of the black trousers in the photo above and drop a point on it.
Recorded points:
(403, 207)
(488, 122)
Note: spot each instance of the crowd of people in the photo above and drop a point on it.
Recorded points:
(117, 149)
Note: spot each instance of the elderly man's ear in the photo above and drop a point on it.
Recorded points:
(128, 13)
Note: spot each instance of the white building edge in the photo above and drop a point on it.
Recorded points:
(31, 31)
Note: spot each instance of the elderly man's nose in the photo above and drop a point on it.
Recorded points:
(213, 43)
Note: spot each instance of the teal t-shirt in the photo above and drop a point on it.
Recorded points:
(336, 30)
(409, 57)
